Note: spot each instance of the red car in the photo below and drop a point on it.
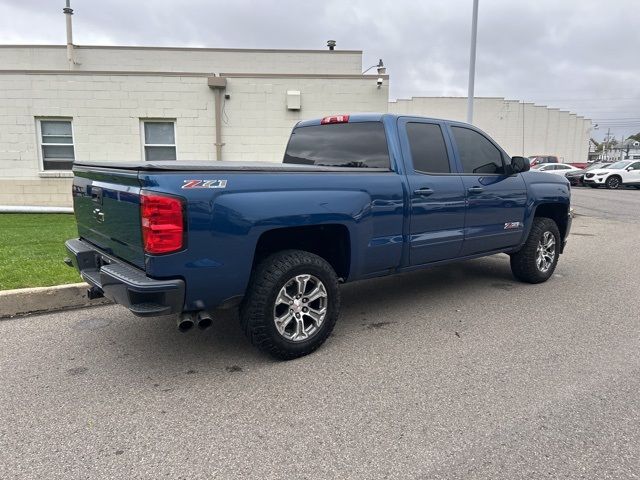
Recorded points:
(540, 159)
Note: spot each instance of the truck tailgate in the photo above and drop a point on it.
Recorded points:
(106, 203)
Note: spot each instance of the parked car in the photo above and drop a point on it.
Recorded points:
(556, 168)
(616, 175)
(542, 159)
(356, 197)
(576, 177)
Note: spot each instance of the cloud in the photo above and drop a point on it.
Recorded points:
(573, 54)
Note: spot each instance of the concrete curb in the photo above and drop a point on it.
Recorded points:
(44, 299)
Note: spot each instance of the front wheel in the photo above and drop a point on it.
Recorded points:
(292, 304)
(613, 182)
(536, 261)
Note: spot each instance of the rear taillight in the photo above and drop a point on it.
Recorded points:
(162, 222)
(335, 119)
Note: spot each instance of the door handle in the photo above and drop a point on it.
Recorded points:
(424, 191)
(476, 189)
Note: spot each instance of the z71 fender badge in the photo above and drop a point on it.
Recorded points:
(204, 184)
(510, 225)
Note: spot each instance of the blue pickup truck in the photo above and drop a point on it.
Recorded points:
(356, 197)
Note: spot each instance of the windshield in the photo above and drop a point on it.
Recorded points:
(618, 165)
(597, 165)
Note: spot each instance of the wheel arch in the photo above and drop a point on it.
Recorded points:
(556, 211)
(614, 175)
(330, 241)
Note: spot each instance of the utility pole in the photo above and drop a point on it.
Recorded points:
(472, 61)
(606, 142)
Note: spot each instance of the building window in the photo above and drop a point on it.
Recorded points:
(56, 144)
(159, 139)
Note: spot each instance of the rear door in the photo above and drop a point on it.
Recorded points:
(106, 203)
(436, 192)
(495, 201)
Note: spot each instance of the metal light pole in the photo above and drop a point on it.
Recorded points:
(472, 61)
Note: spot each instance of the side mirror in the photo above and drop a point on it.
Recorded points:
(628, 169)
(520, 164)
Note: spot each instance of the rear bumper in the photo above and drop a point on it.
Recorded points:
(124, 284)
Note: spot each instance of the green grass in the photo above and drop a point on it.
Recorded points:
(32, 250)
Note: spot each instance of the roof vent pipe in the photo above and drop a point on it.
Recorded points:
(331, 44)
(68, 11)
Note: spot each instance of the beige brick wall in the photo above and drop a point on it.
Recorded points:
(520, 128)
(36, 192)
(107, 110)
(257, 124)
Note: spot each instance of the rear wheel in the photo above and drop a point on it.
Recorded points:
(537, 259)
(613, 182)
(292, 304)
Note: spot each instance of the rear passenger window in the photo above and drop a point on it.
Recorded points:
(428, 151)
(477, 154)
(362, 144)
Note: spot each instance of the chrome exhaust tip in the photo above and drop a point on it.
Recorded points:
(204, 320)
(185, 322)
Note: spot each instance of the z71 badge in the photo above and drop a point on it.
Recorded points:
(510, 225)
(204, 184)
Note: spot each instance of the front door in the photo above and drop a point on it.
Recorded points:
(496, 202)
(631, 174)
(436, 193)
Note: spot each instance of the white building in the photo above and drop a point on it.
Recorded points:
(520, 128)
(138, 103)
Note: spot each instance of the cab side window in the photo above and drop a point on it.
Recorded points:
(428, 151)
(635, 166)
(477, 154)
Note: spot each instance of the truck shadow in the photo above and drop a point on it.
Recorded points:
(156, 344)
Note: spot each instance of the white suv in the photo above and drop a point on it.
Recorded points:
(625, 172)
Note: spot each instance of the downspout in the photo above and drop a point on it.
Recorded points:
(218, 84)
(68, 11)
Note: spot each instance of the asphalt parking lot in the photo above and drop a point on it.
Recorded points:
(455, 372)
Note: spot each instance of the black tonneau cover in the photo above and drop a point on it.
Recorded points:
(174, 165)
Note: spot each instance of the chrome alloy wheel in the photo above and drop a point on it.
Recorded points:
(614, 182)
(300, 308)
(546, 252)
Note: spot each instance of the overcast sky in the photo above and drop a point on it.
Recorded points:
(581, 55)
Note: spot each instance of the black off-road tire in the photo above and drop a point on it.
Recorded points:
(257, 309)
(613, 182)
(523, 262)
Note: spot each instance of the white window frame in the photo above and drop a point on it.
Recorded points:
(143, 137)
(41, 144)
